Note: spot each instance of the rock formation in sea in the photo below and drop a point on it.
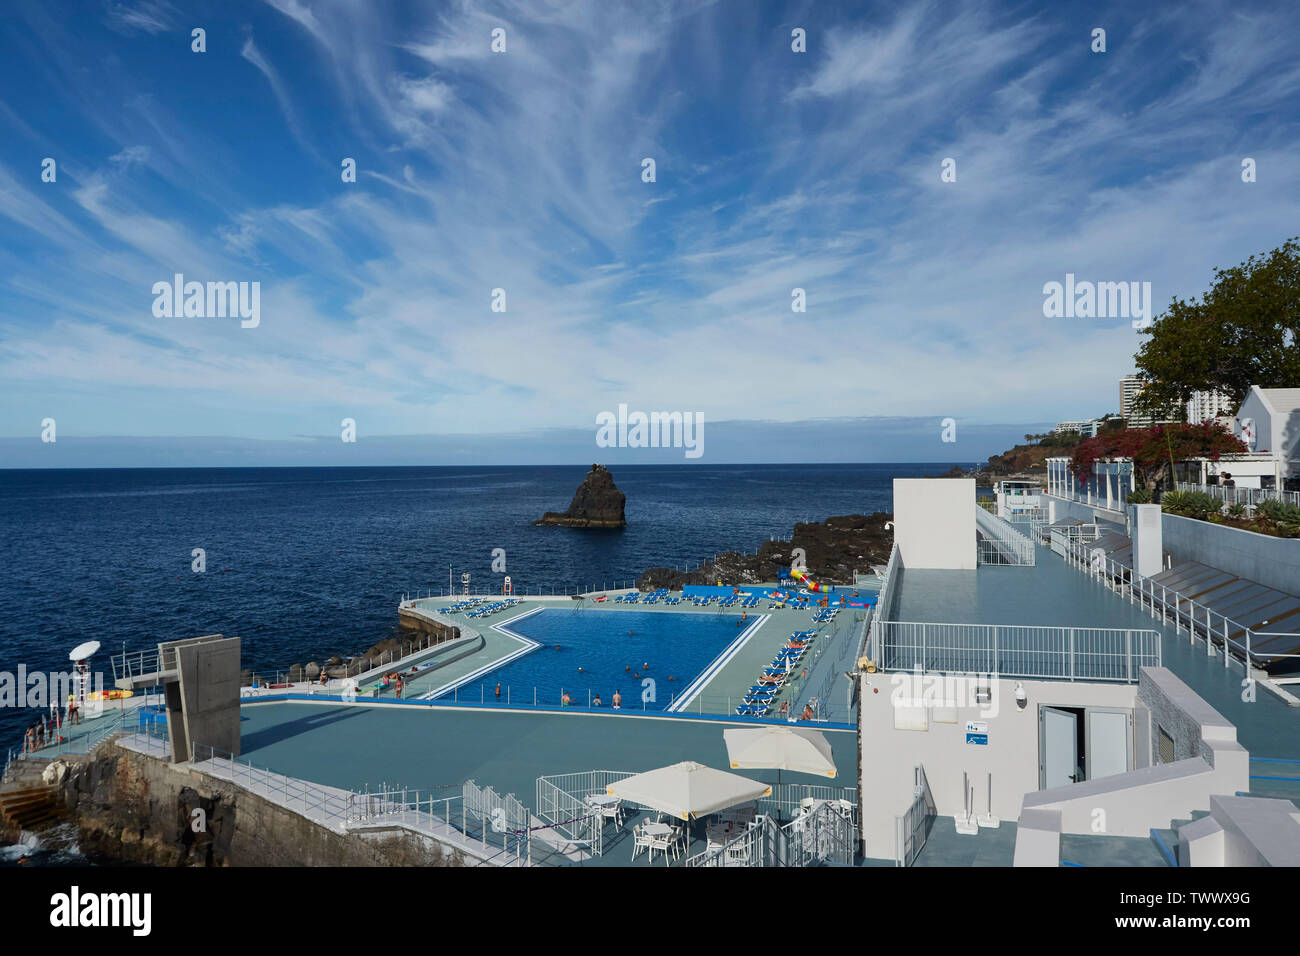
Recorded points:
(834, 550)
(596, 504)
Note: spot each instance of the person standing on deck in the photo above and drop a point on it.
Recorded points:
(617, 700)
(74, 717)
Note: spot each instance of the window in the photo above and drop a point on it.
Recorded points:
(1165, 744)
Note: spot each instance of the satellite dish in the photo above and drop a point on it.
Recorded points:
(82, 651)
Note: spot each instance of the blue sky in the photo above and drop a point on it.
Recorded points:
(522, 170)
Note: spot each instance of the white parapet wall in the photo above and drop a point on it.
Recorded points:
(934, 522)
(896, 736)
(1208, 761)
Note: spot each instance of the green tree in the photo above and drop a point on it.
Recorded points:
(1245, 331)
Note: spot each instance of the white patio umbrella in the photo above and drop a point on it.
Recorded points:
(688, 789)
(780, 748)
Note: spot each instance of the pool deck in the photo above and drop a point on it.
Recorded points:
(470, 679)
(437, 748)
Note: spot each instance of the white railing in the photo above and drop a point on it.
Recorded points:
(1063, 538)
(824, 835)
(561, 802)
(884, 602)
(788, 799)
(1015, 650)
(1171, 606)
(1242, 496)
(497, 823)
(912, 827)
(1000, 543)
(325, 805)
(758, 845)
(1032, 525)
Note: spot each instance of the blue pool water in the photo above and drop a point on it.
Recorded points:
(676, 646)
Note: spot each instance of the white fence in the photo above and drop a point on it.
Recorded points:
(824, 835)
(1170, 606)
(561, 802)
(1063, 538)
(1032, 524)
(884, 603)
(1243, 496)
(1000, 543)
(1014, 650)
(913, 827)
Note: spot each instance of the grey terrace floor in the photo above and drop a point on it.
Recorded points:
(1054, 593)
(353, 746)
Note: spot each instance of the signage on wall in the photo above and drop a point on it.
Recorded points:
(977, 732)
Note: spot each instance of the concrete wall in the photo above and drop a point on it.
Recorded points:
(133, 808)
(1273, 562)
(1208, 760)
(934, 522)
(1242, 831)
(209, 691)
(888, 756)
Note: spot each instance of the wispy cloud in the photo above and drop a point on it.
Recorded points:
(522, 171)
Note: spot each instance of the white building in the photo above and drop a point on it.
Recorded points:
(1207, 406)
(1129, 387)
(1269, 423)
(1088, 429)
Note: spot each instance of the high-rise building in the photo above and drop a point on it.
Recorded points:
(1130, 386)
(1206, 406)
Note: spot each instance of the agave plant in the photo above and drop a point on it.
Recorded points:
(1270, 510)
(1173, 502)
(1138, 496)
(1237, 510)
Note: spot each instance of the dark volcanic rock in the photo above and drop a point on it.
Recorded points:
(834, 549)
(596, 504)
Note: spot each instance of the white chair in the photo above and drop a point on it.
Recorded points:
(737, 855)
(666, 840)
(640, 838)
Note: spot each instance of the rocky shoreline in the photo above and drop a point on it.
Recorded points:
(834, 551)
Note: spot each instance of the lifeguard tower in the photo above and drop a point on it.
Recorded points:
(200, 681)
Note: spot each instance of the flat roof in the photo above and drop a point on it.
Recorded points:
(1052, 593)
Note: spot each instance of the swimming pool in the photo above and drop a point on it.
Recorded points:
(604, 651)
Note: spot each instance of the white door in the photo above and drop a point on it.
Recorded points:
(1108, 740)
(1060, 747)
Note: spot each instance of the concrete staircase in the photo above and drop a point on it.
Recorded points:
(31, 808)
(1166, 838)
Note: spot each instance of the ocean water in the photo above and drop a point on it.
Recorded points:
(303, 563)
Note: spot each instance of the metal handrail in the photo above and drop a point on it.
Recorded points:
(1250, 497)
(1015, 650)
(1002, 543)
(1124, 580)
